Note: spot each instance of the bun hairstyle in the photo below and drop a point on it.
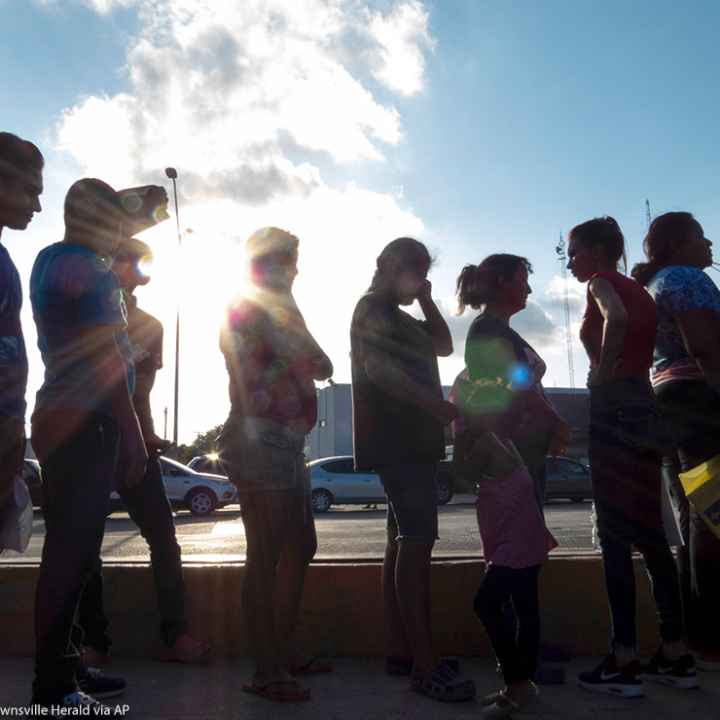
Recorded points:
(477, 285)
(602, 232)
(665, 235)
(403, 253)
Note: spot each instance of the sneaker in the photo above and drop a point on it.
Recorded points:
(680, 673)
(608, 678)
(73, 704)
(95, 683)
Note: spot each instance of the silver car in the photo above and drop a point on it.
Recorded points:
(335, 482)
(200, 493)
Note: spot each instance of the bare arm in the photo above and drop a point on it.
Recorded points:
(438, 328)
(615, 318)
(700, 330)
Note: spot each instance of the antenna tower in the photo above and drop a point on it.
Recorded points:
(562, 257)
(648, 214)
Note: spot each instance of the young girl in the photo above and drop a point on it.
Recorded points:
(515, 545)
(502, 406)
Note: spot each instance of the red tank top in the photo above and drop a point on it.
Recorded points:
(637, 351)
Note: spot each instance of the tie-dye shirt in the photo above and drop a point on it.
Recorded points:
(13, 357)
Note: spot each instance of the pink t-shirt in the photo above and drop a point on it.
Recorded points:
(511, 525)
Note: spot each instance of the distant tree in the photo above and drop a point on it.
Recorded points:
(203, 444)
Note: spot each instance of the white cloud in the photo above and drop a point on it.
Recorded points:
(247, 99)
(226, 88)
(403, 38)
(576, 293)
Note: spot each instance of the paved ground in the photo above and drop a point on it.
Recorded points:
(343, 532)
(357, 691)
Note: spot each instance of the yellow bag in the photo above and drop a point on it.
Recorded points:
(702, 488)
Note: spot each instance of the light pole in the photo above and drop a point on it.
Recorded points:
(172, 174)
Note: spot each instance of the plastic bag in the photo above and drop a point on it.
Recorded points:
(16, 520)
(702, 487)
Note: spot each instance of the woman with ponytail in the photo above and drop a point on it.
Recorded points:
(505, 431)
(618, 332)
(686, 380)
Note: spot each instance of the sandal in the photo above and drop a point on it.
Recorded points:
(444, 684)
(279, 691)
(313, 666)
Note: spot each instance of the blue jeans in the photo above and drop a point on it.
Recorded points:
(626, 473)
(149, 509)
(693, 411)
(77, 477)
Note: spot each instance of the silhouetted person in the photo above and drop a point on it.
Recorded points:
(398, 418)
(686, 381)
(618, 332)
(21, 184)
(272, 361)
(84, 428)
(504, 374)
(146, 503)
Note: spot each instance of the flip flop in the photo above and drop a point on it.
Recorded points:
(279, 691)
(314, 666)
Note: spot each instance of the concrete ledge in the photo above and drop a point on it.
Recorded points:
(342, 608)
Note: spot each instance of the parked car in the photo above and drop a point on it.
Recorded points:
(31, 475)
(567, 479)
(200, 493)
(209, 463)
(335, 482)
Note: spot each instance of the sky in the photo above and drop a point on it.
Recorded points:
(476, 126)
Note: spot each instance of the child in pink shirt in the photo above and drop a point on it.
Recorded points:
(515, 543)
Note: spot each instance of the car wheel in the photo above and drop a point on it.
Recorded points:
(201, 501)
(321, 501)
(444, 491)
(577, 499)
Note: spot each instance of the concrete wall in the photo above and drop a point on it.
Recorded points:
(342, 610)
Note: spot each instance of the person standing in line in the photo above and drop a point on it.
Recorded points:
(21, 184)
(272, 362)
(84, 430)
(398, 418)
(686, 382)
(146, 503)
(506, 374)
(626, 437)
(499, 286)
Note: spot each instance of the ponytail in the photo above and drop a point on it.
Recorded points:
(477, 285)
(467, 288)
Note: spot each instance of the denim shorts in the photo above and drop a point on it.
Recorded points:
(264, 456)
(411, 490)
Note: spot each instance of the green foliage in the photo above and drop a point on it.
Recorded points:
(204, 443)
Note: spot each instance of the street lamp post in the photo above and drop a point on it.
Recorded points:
(172, 174)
